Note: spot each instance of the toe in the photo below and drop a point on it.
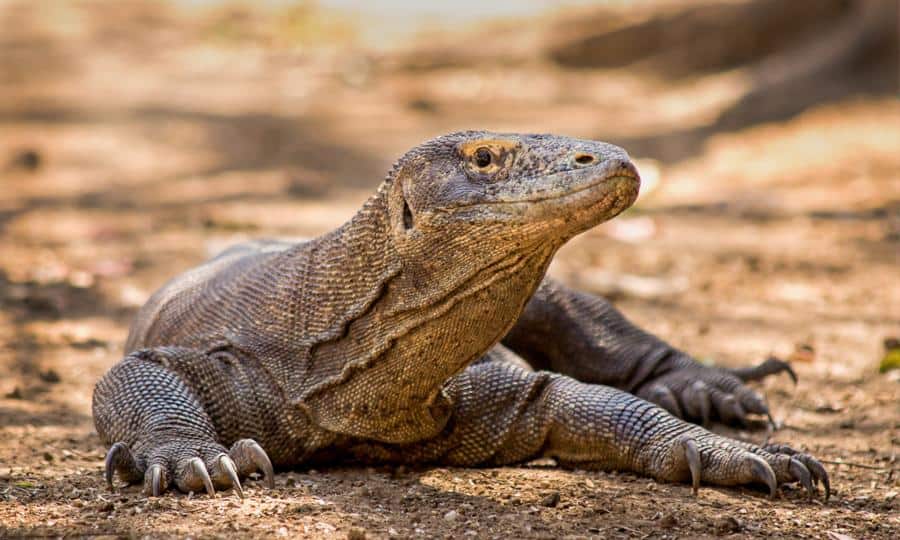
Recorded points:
(119, 459)
(156, 480)
(819, 474)
(249, 457)
(794, 466)
(695, 464)
(816, 470)
(696, 401)
(665, 398)
(730, 411)
(224, 474)
(771, 366)
(752, 401)
(758, 470)
(802, 475)
(191, 475)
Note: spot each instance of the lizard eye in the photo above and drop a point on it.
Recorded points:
(483, 157)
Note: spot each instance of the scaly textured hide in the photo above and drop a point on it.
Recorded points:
(378, 342)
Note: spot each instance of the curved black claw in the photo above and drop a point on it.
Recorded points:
(762, 472)
(692, 456)
(801, 473)
(157, 479)
(771, 366)
(250, 456)
(198, 468)
(227, 468)
(815, 469)
(818, 472)
(119, 458)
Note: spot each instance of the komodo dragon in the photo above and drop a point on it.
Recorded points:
(423, 330)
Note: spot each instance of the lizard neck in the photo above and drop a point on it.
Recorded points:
(339, 276)
(401, 325)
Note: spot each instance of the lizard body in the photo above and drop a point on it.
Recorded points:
(380, 341)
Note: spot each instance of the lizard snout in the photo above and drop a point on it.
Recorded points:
(627, 168)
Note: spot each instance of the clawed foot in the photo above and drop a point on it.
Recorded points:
(700, 393)
(700, 456)
(192, 465)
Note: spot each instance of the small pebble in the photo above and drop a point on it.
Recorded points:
(726, 524)
(551, 500)
(50, 376)
(452, 515)
(668, 521)
(356, 533)
(28, 159)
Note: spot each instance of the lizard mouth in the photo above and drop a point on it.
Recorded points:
(586, 179)
(595, 203)
(575, 192)
(589, 196)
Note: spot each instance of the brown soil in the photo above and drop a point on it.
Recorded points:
(133, 142)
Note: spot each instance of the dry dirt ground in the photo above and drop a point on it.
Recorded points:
(133, 143)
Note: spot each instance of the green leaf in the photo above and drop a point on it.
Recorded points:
(890, 361)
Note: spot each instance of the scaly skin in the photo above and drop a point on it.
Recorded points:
(583, 336)
(379, 341)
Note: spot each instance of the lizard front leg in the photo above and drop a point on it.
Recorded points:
(163, 430)
(583, 336)
(504, 414)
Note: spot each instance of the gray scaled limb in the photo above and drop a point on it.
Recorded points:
(504, 414)
(159, 430)
(585, 337)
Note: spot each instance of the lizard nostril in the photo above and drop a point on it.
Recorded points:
(628, 166)
(584, 159)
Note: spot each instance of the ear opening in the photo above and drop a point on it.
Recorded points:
(407, 216)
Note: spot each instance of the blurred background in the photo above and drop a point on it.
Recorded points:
(138, 137)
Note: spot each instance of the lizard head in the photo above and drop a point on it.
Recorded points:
(521, 189)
